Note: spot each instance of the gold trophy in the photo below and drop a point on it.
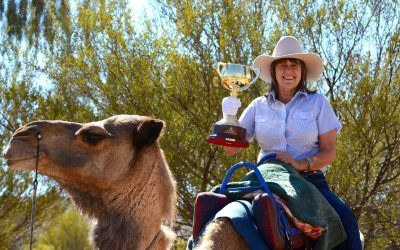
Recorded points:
(235, 77)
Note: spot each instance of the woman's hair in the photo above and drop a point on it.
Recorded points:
(302, 84)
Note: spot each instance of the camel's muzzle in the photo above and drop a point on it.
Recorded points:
(21, 152)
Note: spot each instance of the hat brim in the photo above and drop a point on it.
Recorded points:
(313, 62)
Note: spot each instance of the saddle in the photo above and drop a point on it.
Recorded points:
(274, 226)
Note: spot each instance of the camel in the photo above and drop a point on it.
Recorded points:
(114, 171)
(220, 234)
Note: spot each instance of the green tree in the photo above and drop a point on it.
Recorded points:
(22, 101)
(371, 114)
(18, 106)
(359, 42)
(204, 33)
(68, 231)
(31, 21)
(104, 64)
(118, 70)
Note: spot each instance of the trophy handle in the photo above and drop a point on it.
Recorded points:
(257, 71)
(219, 64)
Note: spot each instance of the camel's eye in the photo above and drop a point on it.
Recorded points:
(92, 138)
(92, 135)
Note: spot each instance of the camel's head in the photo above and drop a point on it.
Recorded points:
(89, 153)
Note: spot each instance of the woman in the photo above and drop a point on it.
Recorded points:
(296, 123)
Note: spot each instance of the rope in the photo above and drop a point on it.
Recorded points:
(35, 184)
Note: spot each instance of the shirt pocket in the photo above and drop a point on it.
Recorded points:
(304, 116)
(304, 125)
(265, 127)
(264, 119)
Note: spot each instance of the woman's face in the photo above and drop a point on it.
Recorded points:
(288, 75)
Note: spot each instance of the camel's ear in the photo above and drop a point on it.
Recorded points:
(148, 131)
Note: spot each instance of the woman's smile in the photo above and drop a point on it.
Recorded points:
(288, 78)
(288, 75)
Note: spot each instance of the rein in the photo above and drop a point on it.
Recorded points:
(155, 240)
(35, 184)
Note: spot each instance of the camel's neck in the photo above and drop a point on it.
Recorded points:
(119, 232)
(130, 215)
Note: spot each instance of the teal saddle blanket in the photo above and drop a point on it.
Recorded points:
(303, 199)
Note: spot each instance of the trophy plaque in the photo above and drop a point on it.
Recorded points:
(234, 77)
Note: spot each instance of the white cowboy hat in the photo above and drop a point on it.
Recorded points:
(290, 47)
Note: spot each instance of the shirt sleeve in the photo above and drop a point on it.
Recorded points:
(247, 119)
(327, 119)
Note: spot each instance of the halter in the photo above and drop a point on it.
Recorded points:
(35, 184)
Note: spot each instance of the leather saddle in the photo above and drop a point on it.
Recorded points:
(274, 226)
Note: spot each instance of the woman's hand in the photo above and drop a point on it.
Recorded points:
(230, 105)
(288, 159)
(235, 150)
(285, 157)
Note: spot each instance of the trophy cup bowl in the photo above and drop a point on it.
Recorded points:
(234, 77)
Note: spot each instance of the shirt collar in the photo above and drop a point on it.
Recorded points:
(271, 95)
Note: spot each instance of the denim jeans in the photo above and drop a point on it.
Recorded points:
(349, 222)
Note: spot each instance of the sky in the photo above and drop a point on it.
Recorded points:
(140, 7)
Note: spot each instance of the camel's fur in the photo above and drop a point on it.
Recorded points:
(114, 171)
(220, 234)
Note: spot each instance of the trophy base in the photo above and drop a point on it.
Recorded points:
(228, 135)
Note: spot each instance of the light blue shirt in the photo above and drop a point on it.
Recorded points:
(293, 127)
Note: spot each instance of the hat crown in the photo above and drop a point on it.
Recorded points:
(287, 45)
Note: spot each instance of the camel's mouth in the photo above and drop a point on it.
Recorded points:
(25, 163)
(21, 156)
(12, 161)
(21, 153)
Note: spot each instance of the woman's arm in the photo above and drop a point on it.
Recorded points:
(235, 150)
(327, 151)
(325, 156)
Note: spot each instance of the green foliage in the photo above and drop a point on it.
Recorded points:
(68, 231)
(33, 20)
(371, 114)
(22, 102)
(101, 63)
